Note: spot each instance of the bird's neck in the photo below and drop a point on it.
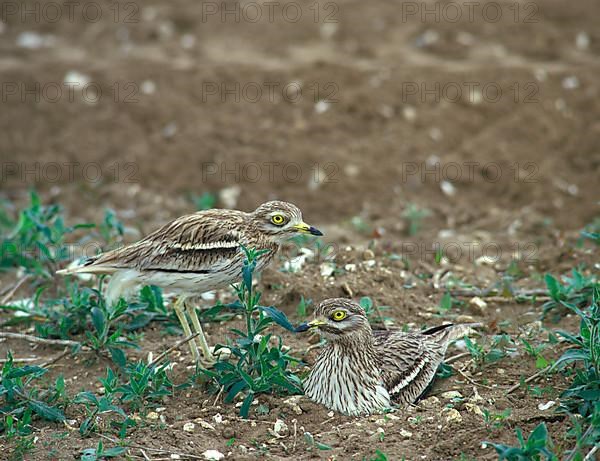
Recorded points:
(357, 341)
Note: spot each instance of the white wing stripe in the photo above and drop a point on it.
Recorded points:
(205, 246)
(406, 381)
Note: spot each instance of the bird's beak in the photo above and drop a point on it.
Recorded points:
(308, 325)
(304, 228)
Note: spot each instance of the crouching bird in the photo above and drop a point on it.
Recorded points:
(197, 253)
(361, 371)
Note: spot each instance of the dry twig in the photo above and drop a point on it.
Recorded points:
(172, 348)
(13, 290)
(35, 339)
(528, 380)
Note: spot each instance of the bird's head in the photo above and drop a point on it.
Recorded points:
(339, 319)
(281, 220)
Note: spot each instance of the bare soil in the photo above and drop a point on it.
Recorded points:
(379, 125)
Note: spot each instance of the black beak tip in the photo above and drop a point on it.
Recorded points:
(302, 328)
(315, 231)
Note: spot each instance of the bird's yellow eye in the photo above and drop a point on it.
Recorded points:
(338, 316)
(277, 219)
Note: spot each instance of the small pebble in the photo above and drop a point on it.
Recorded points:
(213, 455)
(452, 395)
(406, 434)
(453, 416)
(546, 406)
(189, 427)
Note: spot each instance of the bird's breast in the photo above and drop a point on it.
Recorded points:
(346, 383)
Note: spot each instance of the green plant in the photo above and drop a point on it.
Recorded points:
(22, 398)
(73, 310)
(500, 346)
(536, 353)
(35, 239)
(260, 366)
(414, 215)
(100, 453)
(576, 290)
(537, 447)
(495, 420)
(447, 302)
(206, 201)
(18, 432)
(95, 406)
(379, 456)
(583, 395)
(373, 312)
(591, 232)
(146, 384)
(302, 307)
(312, 443)
(111, 229)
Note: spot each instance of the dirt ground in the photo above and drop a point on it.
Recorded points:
(353, 112)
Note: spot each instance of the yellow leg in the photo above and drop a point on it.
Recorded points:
(179, 307)
(207, 360)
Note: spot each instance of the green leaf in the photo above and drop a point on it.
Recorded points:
(98, 319)
(234, 390)
(118, 356)
(366, 303)
(554, 287)
(26, 370)
(245, 409)
(112, 452)
(45, 411)
(446, 302)
(278, 317)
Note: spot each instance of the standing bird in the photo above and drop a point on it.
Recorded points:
(197, 253)
(361, 371)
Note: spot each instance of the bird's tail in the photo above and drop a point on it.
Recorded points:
(445, 334)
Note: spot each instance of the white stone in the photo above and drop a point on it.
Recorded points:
(321, 107)
(471, 407)
(453, 416)
(448, 188)
(205, 425)
(327, 269)
(451, 395)
(34, 41)
(279, 427)
(570, 83)
(582, 41)
(409, 113)
(213, 455)
(406, 434)
(229, 196)
(478, 302)
(546, 406)
(189, 427)
(486, 260)
(148, 87)
(77, 79)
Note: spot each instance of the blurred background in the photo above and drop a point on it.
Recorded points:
(484, 114)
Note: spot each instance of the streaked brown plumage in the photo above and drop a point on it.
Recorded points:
(197, 253)
(361, 371)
